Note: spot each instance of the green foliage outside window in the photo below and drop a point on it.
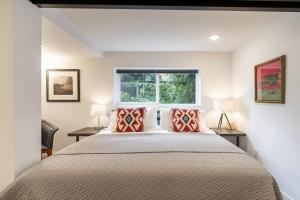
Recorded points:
(177, 88)
(138, 87)
(174, 88)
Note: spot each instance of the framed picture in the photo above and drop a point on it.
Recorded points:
(270, 81)
(63, 85)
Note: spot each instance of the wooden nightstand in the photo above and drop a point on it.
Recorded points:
(87, 131)
(230, 133)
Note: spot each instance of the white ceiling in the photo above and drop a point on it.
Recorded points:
(159, 30)
(58, 42)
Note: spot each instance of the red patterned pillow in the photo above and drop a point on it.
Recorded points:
(185, 120)
(130, 119)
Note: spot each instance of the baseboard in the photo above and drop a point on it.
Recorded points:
(286, 196)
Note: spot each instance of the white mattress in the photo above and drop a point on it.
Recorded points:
(157, 130)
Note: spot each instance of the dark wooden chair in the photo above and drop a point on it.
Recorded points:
(48, 131)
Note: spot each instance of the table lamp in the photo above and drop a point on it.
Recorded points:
(223, 105)
(98, 110)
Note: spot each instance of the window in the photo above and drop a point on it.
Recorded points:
(157, 86)
(138, 87)
(179, 88)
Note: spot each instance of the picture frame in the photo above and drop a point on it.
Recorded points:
(63, 85)
(270, 81)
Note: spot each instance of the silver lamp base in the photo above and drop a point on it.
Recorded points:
(221, 121)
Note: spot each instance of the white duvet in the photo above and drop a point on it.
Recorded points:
(157, 130)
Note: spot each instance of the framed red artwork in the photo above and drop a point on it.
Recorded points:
(270, 81)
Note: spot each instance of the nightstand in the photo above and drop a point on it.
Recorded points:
(230, 133)
(87, 131)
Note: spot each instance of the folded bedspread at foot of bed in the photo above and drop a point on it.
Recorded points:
(146, 167)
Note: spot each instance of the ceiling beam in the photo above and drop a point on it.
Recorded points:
(236, 5)
(60, 19)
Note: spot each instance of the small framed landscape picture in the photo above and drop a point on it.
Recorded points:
(63, 85)
(270, 81)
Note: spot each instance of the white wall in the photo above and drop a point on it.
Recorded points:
(20, 129)
(27, 88)
(272, 129)
(7, 149)
(97, 83)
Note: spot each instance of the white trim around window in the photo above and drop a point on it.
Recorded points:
(117, 88)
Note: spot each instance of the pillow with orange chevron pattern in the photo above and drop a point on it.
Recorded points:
(130, 119)
(185, 120)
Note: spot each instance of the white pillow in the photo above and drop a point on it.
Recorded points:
(150, 119)
(166, 119)
(202, 119)
(113, 121)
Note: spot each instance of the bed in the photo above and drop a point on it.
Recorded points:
(152, 165)
(107, 131)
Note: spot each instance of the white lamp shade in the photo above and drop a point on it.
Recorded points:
(224, 105)
(98, 110)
